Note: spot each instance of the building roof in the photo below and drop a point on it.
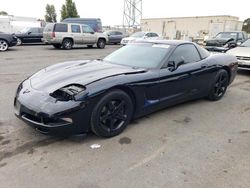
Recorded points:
(235, 17)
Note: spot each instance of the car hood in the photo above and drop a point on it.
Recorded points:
(76, 72)
(240, 51)
(220, 41)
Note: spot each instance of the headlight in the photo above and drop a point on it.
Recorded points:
(70, 92)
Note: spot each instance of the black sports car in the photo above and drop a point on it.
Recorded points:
(104, 95)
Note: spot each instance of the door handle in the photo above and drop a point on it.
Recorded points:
(205, 65)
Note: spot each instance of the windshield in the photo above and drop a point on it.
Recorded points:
(139, 55)
(226, 35)
(246, 43)
(25, 30)
(138, 35)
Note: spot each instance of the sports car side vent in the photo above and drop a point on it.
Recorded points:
(68, 92)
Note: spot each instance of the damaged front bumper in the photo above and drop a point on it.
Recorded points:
(49, 116)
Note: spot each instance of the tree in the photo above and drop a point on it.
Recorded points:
(3, 13)
(246, 25)
(69, 10)
(50, 13)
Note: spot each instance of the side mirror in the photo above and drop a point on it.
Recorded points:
(173, 65)
(92, 32)
(29, 32)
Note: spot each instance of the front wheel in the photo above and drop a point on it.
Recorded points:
(101, 43)
(67, 44)
(3, 45)
(111, 114)
(219, 85)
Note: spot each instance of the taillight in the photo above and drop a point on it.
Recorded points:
(53, 34)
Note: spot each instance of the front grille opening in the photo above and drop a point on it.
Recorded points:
(33, 118)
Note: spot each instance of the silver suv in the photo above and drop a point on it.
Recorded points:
(66, 35)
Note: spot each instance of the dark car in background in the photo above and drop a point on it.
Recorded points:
(224, 41)
(94, 23)
(114, 37)
(6, 41)
(30, 35)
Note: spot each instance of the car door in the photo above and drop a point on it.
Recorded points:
(112, 37)
(179, 77)
(119, 36)
(77, 34)
(30, 36)
(88, 35)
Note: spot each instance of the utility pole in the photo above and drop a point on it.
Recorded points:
(132, 14)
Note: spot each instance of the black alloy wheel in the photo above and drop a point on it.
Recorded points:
(219, 86)
(112, 114)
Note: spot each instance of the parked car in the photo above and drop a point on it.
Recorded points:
(66, 35)
(6, 41)
(102, 96)
(242, 53)
(224, 41)
(30, 35)
(94, 23)
(138, 36)
(114, 37)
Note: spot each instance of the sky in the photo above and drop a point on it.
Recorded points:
(111, 11)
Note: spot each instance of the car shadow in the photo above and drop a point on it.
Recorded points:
(244, 72)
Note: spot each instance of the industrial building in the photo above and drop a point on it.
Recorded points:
(191, 28)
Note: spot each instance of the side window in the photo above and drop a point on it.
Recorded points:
(41, 30)
(112, 33)
(148, 35)
(118, 33)
(61, 28)
(154, 35)
(240, 36)
(87, 29)
(186, 51)
(34, 30)
(75, 29)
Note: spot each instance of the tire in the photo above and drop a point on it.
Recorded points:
(3, 45)
(67, 44)
(112, 114)
(57, 46)
(90, 46)
(19, 42)
(219, 85)
(101, 43)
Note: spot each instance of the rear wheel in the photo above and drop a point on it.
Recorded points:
(3, 45)
(57, 46)
(219, 86)
(67, 44)
(112, 114)
(101, 43)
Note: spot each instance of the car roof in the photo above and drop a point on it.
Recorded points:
(168, 42)
(71, 23)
